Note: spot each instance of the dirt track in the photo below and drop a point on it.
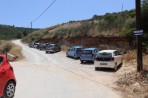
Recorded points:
(42, 75)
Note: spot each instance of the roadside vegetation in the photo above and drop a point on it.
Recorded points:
(14, 52)
(111, 25)
(135, 85)
(12, 32)
(116, 24)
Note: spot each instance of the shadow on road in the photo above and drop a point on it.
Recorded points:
(87, 63)
(109, 69)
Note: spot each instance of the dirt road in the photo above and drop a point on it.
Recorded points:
(42, 75)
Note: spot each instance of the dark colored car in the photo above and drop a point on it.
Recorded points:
(36, 44)
(52, 48)
(31, 44)
(88, 54)
(7, 78)
(42, 46)
(74, 52)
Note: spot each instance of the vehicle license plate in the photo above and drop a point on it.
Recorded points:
(103, 63)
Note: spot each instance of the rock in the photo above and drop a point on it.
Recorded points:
(11, 57)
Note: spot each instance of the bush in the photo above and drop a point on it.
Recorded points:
(5, 47)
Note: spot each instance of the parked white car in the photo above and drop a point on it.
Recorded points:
(108, 59)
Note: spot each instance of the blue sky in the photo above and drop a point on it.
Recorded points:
(21, 12)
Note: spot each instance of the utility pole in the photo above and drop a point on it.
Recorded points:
(122, 7)
(31, 25)
(139, 38)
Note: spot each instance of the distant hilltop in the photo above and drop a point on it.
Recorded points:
(11, 32)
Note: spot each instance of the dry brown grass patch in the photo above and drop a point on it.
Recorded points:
(145, 62)
(130, 55)
(13, 49)
(64, 48)
(16, 51)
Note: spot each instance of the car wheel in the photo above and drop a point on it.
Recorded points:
(67, 54)
(82, 61)
(9, 90)
(46, 51)
(96, 68)
(93, 62)
(115, 68)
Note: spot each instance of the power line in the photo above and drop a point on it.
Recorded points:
(44, 11)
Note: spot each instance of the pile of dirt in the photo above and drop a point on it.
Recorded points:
(119, 43)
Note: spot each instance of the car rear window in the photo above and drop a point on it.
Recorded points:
(79, 49)
(50, 46)
(87, 51)
(104, 55)
(1, 60)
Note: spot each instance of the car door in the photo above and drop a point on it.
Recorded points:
(117, 56)
(69, 52)
(73, 52)
(95, 52)
(55, 47)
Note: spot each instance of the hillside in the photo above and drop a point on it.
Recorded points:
(11, 32)
(116, 24)
(112, 30)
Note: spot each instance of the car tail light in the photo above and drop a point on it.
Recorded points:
(112, 59)
(97, 59)
(92, 54)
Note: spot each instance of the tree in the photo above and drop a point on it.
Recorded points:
(25, 33)
(145, 15)
(145, 21)
(19, 35)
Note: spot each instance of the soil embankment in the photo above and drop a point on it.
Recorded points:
(120, 43)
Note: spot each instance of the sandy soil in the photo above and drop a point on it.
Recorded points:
(41, 75)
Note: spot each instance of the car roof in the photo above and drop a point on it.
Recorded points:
(110, 51)
(90, 48)
(52, 44)
(77, 46)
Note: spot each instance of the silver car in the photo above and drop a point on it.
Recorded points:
(52, 48)
(74, 52)
(88, 54)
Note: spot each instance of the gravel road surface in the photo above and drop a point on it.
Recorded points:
(41, 75)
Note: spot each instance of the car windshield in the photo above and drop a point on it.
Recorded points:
(104, 55)
(1, 60)
(50, 45)
(87, 51)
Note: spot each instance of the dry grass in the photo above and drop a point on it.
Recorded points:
(145, 62)
(64, 48)
(134, 84)
(13, 49)
(16, 51)
(129, 56)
